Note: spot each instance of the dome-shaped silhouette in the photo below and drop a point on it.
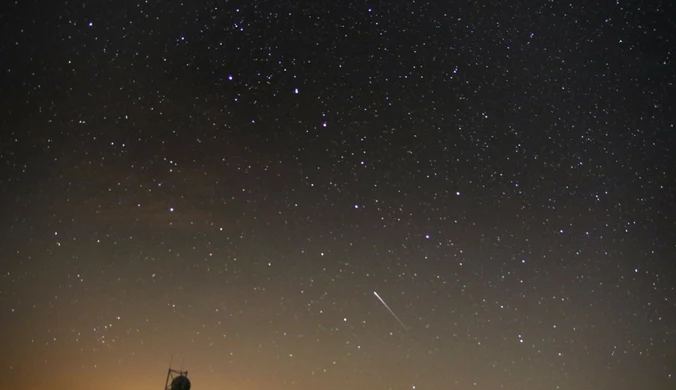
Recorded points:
(181, 382)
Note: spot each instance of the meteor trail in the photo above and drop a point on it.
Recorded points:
(390, 310)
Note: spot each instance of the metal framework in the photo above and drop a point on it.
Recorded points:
(171, 374)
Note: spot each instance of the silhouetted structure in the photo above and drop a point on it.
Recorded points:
(177, 380)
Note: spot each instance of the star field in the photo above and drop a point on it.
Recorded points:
(329, 195)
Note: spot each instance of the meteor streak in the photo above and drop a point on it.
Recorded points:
(390, 310)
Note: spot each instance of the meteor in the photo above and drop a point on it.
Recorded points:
(390, 310)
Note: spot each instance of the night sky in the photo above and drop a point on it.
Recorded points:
(338, 194)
